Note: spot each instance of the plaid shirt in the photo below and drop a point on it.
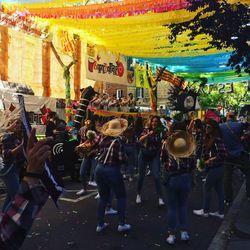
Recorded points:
(217, 150)
(175, 166)
(117, 154)
(152, 142)
(83, 134)
(18, 219)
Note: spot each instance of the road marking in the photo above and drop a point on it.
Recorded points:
(76, 190)
(79, 199)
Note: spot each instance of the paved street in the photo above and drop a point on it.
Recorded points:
(73, 226)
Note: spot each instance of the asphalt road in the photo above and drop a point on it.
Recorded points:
(73, 225)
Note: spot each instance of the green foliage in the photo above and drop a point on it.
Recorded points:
(227, 24)
(210, 96)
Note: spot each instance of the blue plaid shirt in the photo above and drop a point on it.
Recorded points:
(117, 154)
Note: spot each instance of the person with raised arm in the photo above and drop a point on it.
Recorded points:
(19, 215)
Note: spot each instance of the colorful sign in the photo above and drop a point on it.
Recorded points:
(102, 65)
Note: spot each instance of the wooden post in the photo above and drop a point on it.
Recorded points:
(77, 68)
(4, 45)
(46, 48)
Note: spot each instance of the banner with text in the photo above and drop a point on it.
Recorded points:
(102, 65)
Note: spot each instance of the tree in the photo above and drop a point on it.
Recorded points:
(210, 96)
(227, 24)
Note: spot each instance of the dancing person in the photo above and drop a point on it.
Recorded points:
(20, 214)
(111, 155)
(149, 154)
(237, 157)
(214, 155)
(176, 156)
(88, 147)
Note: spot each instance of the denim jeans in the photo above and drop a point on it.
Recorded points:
(214, 180)
(11, 180)
(130, 152)
(86, 165)
(154, 166)
(242, 162)
(109, 178)
(178, 189)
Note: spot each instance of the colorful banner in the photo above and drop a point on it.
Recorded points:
(102, 65)
(141, 79)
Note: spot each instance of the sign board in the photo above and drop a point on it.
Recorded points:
(102, 65)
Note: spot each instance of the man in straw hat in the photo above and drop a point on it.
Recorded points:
(177, 158)
(110, 156)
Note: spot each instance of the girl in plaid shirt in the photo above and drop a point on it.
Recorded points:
(111, 155)
(214, 154)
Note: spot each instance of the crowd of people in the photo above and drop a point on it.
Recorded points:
(112, 103)
(174, 151)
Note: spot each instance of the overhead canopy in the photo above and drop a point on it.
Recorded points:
(137, 29)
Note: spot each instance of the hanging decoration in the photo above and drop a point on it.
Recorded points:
(67, 42)
(141, 79)
(133, 28)
(102, 65)
(168, 76)
(21, 21)
(79, 9)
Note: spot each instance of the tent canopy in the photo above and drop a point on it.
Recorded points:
(136, 29)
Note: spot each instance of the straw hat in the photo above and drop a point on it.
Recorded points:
(9, 118)
(181, 144)
(115, 127)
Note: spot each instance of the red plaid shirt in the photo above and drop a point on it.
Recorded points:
(18, 219)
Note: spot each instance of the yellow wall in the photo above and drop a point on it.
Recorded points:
(25, 64)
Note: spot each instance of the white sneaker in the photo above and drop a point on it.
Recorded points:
(161, 202)
(92, 183)
(97, 196)
(217, 214)
(123, 228)
(101, 228)
(200, 212)
(81, 192)
(138, 199)
(171, 239)
(111, 211)
(184, 236)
